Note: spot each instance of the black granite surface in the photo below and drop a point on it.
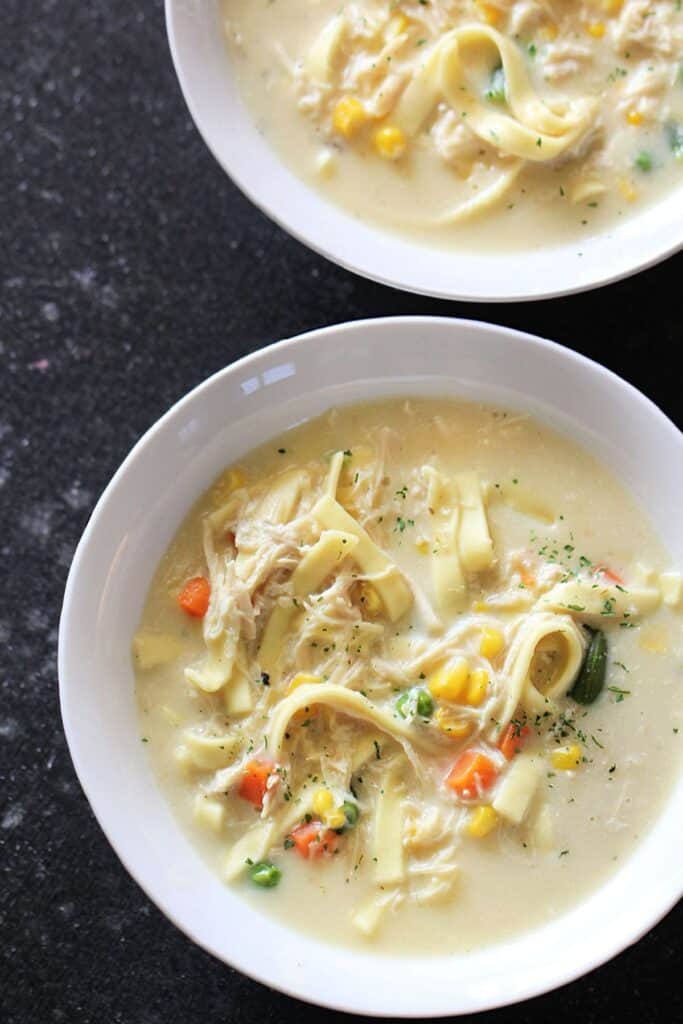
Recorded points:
(130, 268)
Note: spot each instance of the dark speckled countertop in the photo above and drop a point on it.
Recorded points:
(130, 269)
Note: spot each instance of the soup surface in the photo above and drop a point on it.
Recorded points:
(507, 124)
(411, 675)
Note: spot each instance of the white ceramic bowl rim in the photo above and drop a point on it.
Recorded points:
(642, 239)
(100, 611)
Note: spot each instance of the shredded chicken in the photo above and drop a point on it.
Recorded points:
(645, 89)
(650, 26)
(454, 142)
(526, 16)
(566, 57)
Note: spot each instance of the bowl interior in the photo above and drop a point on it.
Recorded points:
(203, 67)
(223, 419)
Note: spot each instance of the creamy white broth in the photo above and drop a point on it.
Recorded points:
(507, 881)
(621, 61)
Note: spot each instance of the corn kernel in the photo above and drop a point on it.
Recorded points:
(335, 818)
(323, 801)
(389, 142)
(476, 687)
(566, 759)
(398, 25)
(634, 117)
(422, 545)
(491, 643)
(491, 15)
(349, 116)
(449, 681)
(612, 6)
(370, 600)
(302, 679)
(595, 29)
(480, 606)
(482, 821)
(628, 191)
(449, 723)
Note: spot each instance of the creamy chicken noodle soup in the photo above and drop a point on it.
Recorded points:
(411, 675)
(502, 123)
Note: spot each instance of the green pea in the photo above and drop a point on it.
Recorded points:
(265, 874)
(425, 704)
(351, 813)
(401, 703)
(644, 161)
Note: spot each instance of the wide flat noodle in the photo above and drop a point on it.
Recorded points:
(238, 696)
(461, 539)
(450, 587)
(386, 577)
(570, 646)
(535, 132)
(221, 625)
(598, 603)
(326, 554)
(367, 917)
(389, 855)
(531, 132)
(474, 538)
(208, 752)
(483, 199)
(350, 702)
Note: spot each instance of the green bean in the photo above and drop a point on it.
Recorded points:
(591, 678)
(674, 134)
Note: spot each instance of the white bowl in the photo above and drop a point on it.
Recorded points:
(222, 419)
(203, 67)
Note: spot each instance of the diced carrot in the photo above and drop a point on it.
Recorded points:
(526, 576)
(194, 597)
(512, 740)
(312, 839)
(525, 565)
(471, 774)
(254, 781)
(607, 573)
